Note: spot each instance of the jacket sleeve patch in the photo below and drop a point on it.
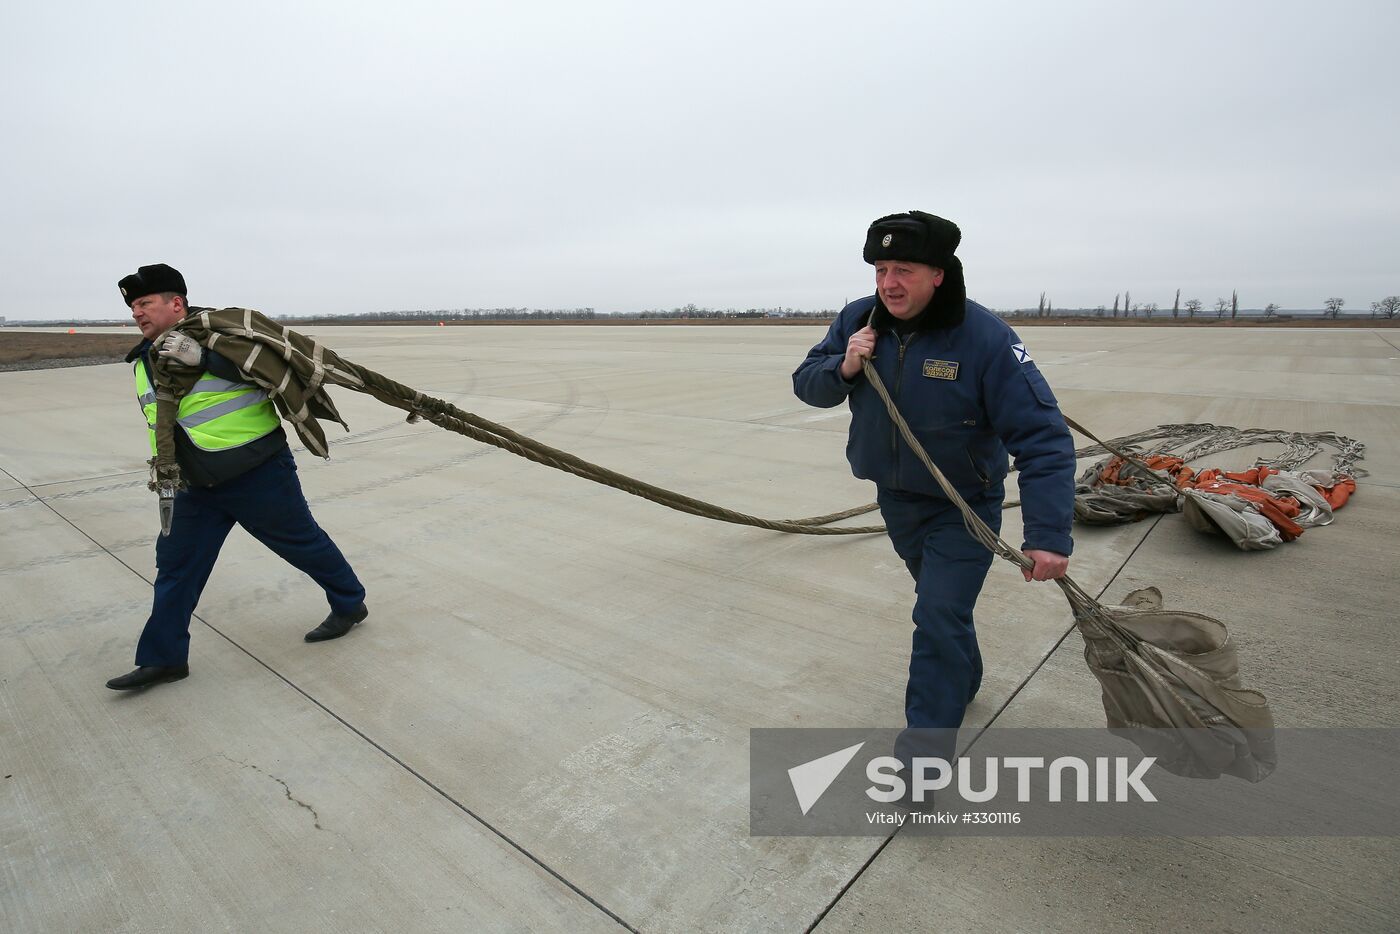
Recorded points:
(1022, 354)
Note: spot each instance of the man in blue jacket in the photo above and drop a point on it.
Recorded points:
(966, 385)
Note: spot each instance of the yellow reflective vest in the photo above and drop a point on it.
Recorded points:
(217, 414)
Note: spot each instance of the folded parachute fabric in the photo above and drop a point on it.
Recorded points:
(1257, 509)
(293, 368)
(1171, 684)
(1115, 491)
(1235, 518)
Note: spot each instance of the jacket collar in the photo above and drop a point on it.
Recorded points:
(138, 350)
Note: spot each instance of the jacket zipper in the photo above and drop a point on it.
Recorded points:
(894, 430)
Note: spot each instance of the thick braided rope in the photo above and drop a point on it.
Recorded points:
(445, 415)
(448, 416)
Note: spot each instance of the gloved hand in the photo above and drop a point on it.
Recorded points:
(182, 349)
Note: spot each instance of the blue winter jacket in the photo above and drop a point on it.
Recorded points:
(968, 388)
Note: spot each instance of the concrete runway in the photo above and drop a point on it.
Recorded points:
(544, 723)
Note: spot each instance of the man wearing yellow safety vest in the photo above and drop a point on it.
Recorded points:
(234, 457)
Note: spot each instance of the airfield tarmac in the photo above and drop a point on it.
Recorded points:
(543, 725)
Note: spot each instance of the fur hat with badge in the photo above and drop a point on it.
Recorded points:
(148, 280)
(919, 237)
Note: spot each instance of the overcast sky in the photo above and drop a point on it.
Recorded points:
(300, 157)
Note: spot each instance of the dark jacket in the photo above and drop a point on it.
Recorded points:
(210, 468)
(963, 381)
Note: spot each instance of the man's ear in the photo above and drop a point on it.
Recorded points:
(937, 276)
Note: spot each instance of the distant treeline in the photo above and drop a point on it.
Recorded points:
(685, 311)
(432, 316)
(1387, 308)
(1384, 309)
(557, 314)
(1165, 316)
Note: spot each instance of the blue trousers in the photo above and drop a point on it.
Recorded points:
(267, 501)
(949, 567)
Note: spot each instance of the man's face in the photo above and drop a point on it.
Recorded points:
(906, 288)
(156, 314)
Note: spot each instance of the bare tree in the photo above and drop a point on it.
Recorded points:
(1115, 306)
(1149, 309)
(1375, 309)
(1220, 305)
(1270, 310)
(1127, 302)
(1334, 307)
(1234, 304)
(1390, 306)
(1176, 304)
(1040, 309)
(1193, 306)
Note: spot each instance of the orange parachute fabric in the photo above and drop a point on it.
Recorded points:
(1338, 493)
(1279, 510)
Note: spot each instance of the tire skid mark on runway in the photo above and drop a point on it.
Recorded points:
(568, 406)
(66, 557)
(37, 499)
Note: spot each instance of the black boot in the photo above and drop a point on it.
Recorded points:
(147, 675)
(335, 626)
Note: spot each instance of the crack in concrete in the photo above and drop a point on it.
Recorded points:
(286, 789)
